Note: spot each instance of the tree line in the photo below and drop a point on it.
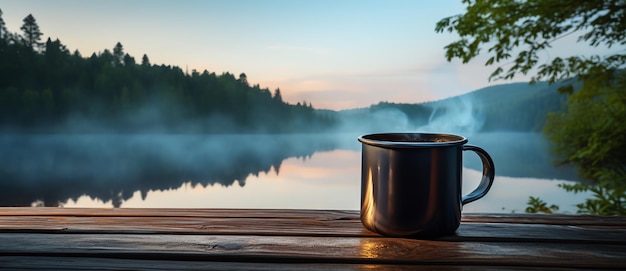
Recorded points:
(46, 88)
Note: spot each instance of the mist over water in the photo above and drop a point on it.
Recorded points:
(139, 160)
(52, 168)
(117, 169)
(55, 170)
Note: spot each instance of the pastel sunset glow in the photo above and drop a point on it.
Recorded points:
(334, 54)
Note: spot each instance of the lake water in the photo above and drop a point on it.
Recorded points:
(246, 171)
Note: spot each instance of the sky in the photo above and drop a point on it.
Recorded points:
(335, 54)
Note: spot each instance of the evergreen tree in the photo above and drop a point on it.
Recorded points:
(77, 54)
(55, 47)
(243, 79)
(32, 34)
(129, 60)
(3, 29)
(277, 96)
(145, 61)
(118, 54)
(43, 84)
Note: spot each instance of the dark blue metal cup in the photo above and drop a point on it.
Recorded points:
(411, 183)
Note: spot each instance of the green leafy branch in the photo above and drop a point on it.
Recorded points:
(537, 205)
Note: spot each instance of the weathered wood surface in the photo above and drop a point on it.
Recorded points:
(219, 239)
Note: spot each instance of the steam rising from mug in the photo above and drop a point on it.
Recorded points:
(455, 115)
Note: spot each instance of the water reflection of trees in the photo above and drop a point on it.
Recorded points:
(49, 170)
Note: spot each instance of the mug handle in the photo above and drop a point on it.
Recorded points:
(488, 175)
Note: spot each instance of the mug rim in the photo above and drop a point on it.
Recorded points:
(387, 140)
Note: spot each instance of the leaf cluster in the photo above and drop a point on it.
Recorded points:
(516, 32)
(590, 132)
(537, 205)
(608, 198)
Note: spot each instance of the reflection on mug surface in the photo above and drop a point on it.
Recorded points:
(411, 183)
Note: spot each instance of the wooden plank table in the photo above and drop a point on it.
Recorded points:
(235, 239)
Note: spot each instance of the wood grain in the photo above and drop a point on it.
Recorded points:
(293, 223)
(227, 239)
(85, 263)
(555, 219)
(275, 249)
